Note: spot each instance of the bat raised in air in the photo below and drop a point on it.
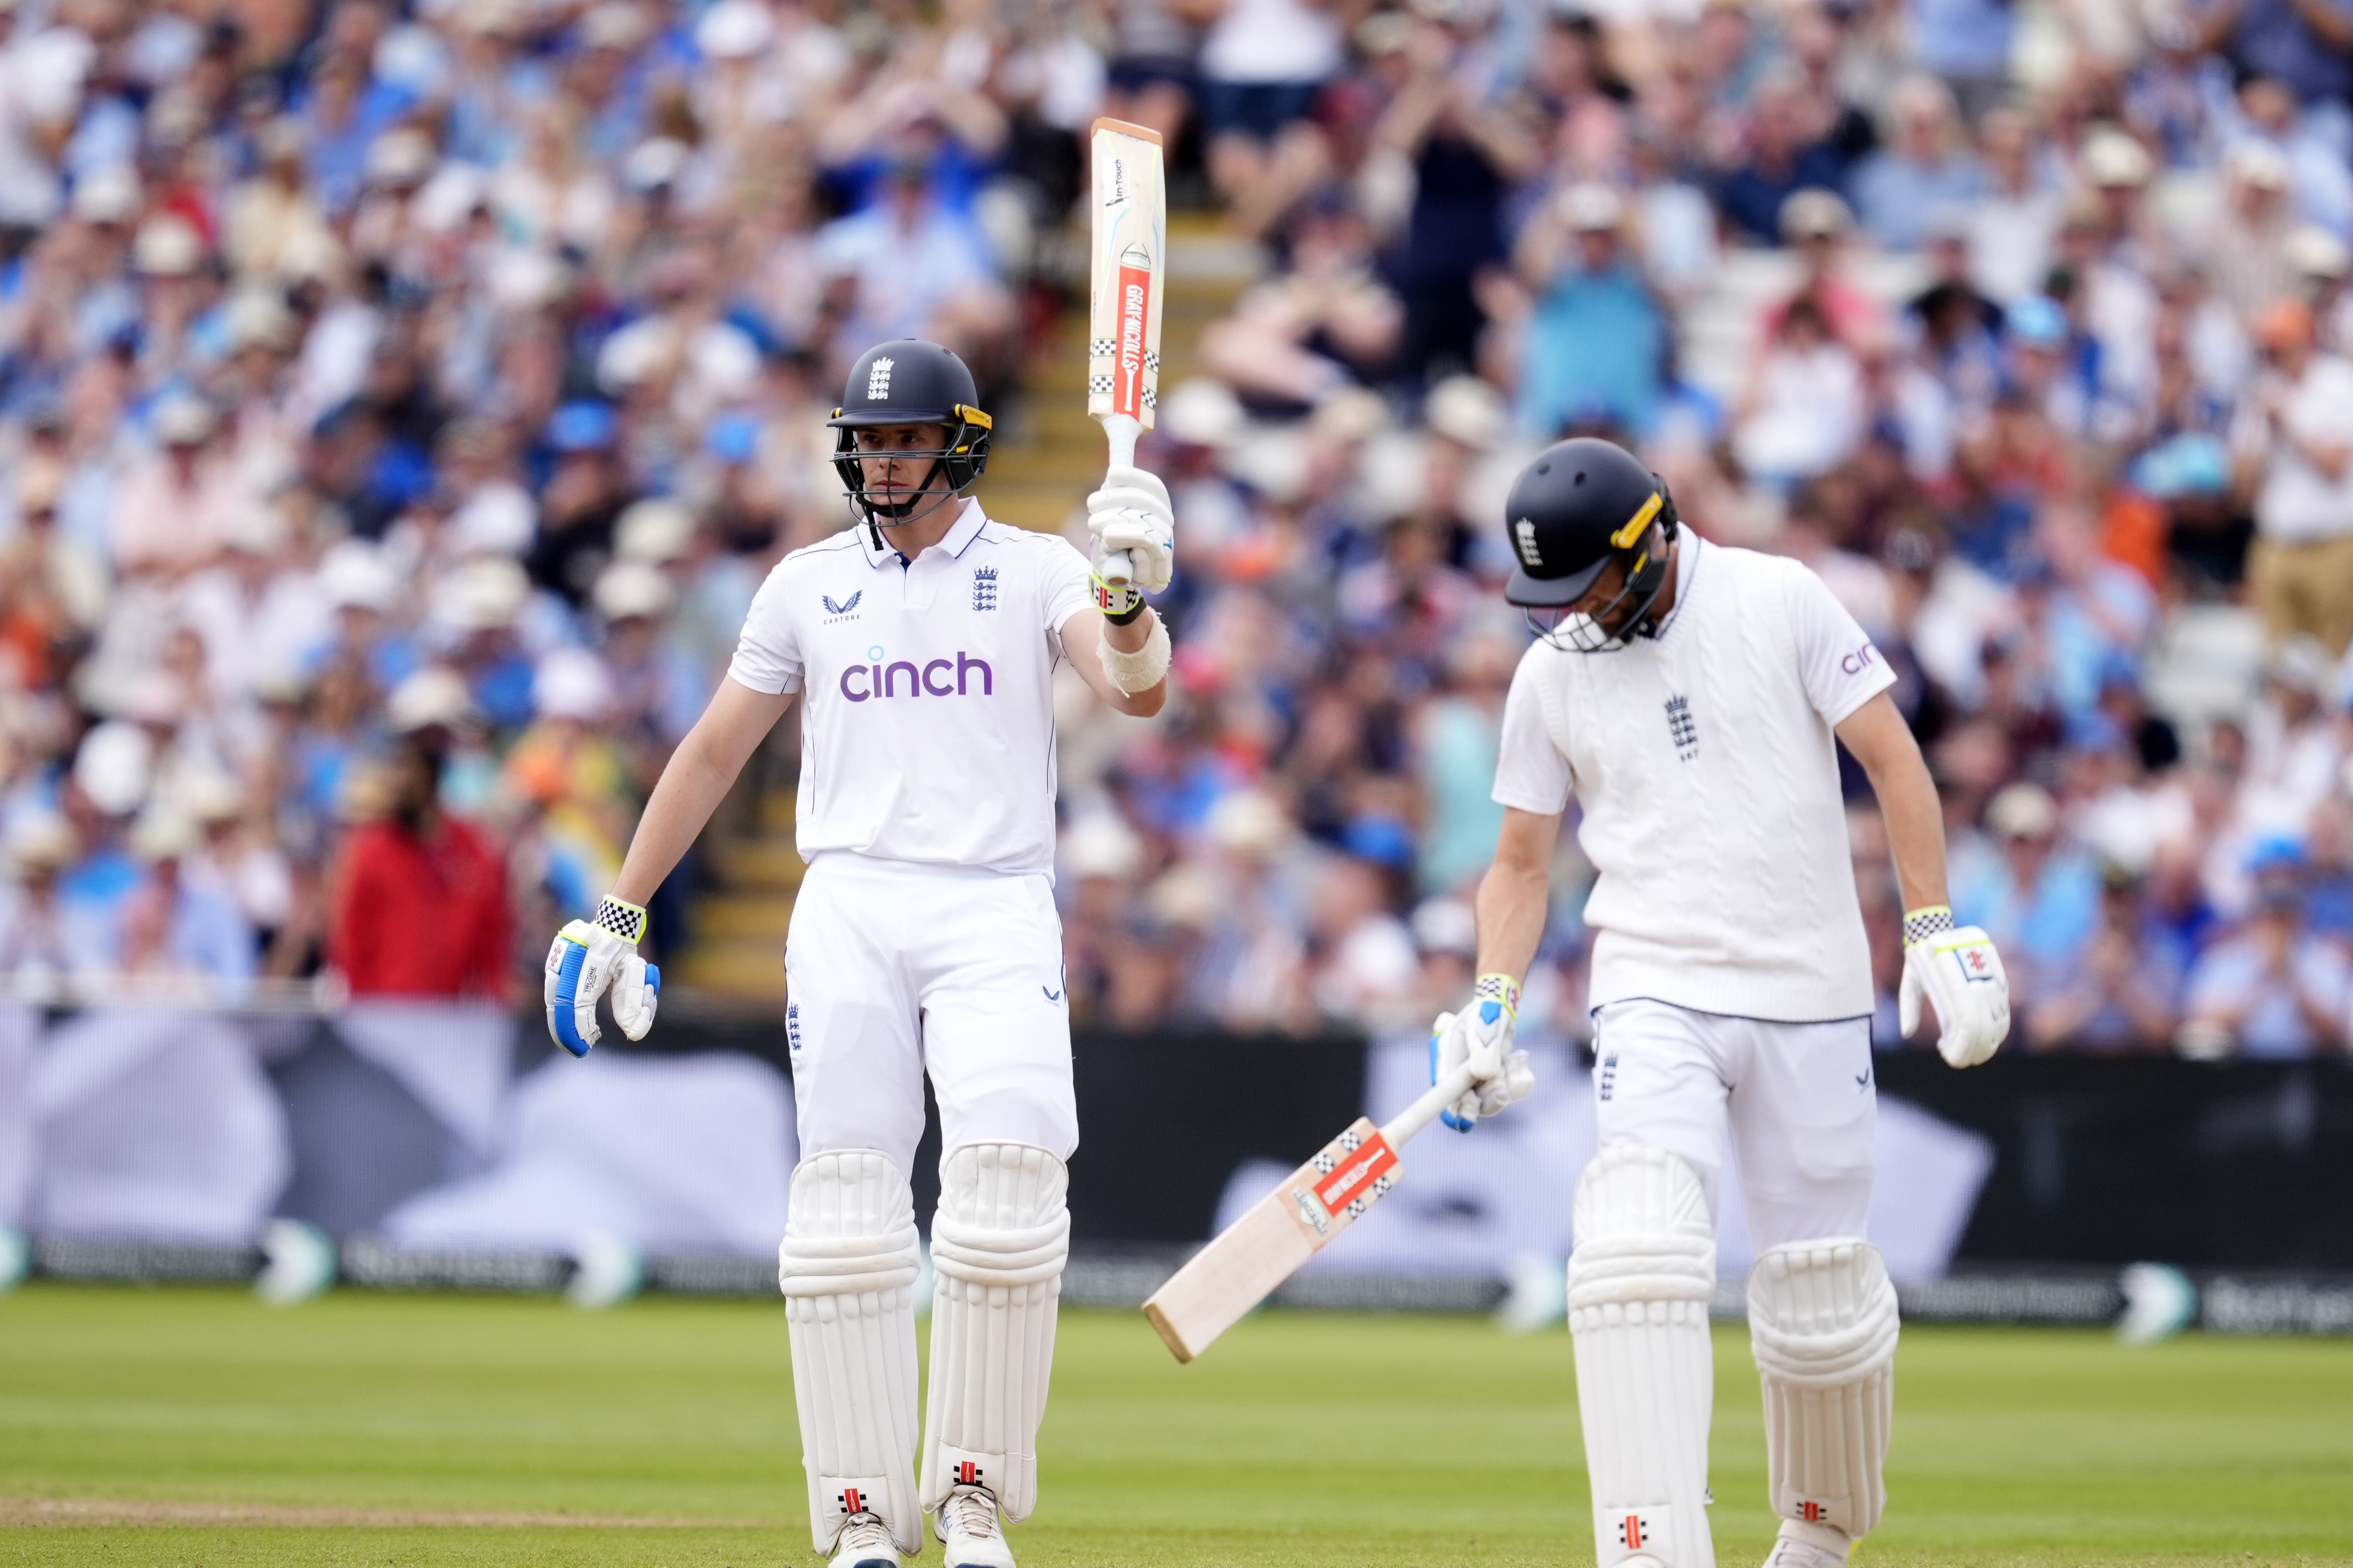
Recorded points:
(1288, 1225)
(1131, 248)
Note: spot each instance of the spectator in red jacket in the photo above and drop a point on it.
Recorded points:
(420, 897)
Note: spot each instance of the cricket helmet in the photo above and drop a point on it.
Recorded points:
(1580, 505)
(911, 382)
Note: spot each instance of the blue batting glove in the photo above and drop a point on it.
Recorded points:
(589, 957)
(1480, 1035)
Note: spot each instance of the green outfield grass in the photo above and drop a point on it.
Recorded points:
(192, 1427)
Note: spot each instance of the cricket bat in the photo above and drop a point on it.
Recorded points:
(1288, 1225)
(1131, 251)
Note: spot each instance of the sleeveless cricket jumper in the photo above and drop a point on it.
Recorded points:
(924, 935)
(1731, 981)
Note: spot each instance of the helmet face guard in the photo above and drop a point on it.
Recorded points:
(1625, 617)
(960, 463)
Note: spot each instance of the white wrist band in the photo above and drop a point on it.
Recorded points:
(1143, 669)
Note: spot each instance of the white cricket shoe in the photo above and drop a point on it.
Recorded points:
(967, 1523)
(865, 1543)
(1802, 1545)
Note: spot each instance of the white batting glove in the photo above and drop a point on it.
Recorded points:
(1480, 1035)
(1133, 531)
(1959, 971)
(588, 957)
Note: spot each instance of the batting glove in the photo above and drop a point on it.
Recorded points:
(1959, 970)
(1480, 1035)
(588, 957)
(1133, 531)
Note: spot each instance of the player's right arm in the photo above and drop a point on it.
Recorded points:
(1515, 892)
(592, 955)
(700, 774)
(1513, 897)
(1532, 785)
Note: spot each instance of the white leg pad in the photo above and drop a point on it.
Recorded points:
(1822, 1322)
(1639, 1285)
(848, 1269)
(998, 1244)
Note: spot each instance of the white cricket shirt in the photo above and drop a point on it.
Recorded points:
(927, 712)
(1705, 763)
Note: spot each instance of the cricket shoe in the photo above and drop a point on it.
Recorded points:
(1802, 1545)
(865, 1543)
(968, 1522)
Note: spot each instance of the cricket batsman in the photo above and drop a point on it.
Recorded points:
(1688, 695)
(923, 641)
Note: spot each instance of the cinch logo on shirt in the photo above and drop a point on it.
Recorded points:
(1858, 662)
(904, 677)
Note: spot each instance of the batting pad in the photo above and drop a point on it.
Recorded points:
(998, 1244)
(1821, 1322)
(1638, 1284)
(848, 1268)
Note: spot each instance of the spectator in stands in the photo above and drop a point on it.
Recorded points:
(2014, 219)
(1262, 64)
(2307, 44)
(2294, 444)
(1966, 43)
(1926, 166)
(1816, 225)
(41, 940)
(174, 933)
(1804, 409)
(1466, 150)
(1782, 158)
(2042, 895)
(2121, 992)
(2249, 259)
(2275, 988)
(1596, 341)
(419, 898)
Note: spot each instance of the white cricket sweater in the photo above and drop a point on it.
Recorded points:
(1705, 763)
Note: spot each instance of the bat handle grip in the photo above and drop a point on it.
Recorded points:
(1121, 430)
(1424, 1111)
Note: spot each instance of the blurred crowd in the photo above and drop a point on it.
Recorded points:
(400, 402)
(2022, 324)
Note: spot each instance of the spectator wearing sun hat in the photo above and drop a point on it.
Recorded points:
(2038, 893)
(174, 512)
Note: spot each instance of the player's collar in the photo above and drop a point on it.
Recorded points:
(1688, 546)
(954, 543)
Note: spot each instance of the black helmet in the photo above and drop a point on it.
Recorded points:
(1580, 505)
(911, 382)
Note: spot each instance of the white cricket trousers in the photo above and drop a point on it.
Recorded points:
(1799, 1100)
(893, 969)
